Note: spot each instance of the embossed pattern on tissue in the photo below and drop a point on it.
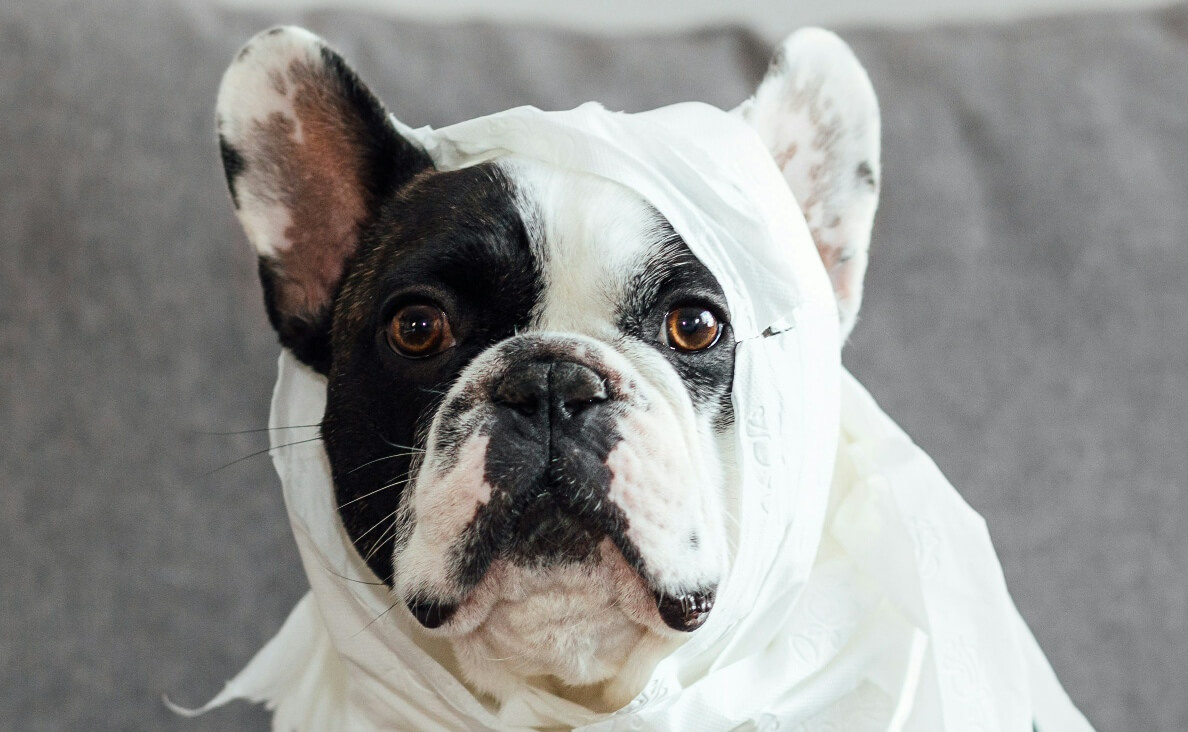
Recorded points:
(762, 723)
(829, 619)
(866, 709)
(962, 672)
(926, 541)
(760, 437)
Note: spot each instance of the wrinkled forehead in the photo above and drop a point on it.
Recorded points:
(598, 246)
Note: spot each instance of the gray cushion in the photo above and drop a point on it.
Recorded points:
(1025, 321)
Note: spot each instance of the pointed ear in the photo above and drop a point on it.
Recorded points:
(817, 113)
(309, 153)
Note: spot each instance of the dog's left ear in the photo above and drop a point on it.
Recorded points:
(816, 111)
(308, 152)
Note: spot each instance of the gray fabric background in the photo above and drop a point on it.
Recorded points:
(1025, 320)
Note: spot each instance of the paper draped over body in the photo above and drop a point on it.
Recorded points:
(864, 592)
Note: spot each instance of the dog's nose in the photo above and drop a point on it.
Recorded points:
(563, 388)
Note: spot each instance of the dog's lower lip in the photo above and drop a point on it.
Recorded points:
(685, 612)
(430, 613)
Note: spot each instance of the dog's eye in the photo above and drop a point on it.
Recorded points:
(419, 331)
(691, 328)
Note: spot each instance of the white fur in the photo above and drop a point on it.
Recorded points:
(438, 515)
(816, 110)
(254, 89)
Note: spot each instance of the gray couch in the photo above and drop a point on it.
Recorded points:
(1026, 320)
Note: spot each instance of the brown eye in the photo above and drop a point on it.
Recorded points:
(691, 328)
(419, 331)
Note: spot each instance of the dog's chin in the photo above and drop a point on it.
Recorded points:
(587, 631)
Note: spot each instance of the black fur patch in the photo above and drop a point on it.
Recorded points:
(454, 239)
(233, 167)
(549, 439)
(866, 174)
(307, 337)
(668, 277)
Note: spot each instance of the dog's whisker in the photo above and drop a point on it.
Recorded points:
(384, 535)
(381, 459)
(380, 541)
(384, 487)
(377, 617)
(258, 429)
(402, 478)
(257, 454)
(521, 654)
(615, 605)
(398, 446)
(339, 575)
(376, 525)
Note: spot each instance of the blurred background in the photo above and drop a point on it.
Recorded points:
(772, 19)
(1025, 319)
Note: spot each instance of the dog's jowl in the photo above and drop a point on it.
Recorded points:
(528, 416)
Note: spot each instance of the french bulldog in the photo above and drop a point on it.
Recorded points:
(528, 415)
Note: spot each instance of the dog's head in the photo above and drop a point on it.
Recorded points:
(529, 374)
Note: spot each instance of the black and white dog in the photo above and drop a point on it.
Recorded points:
(529, 374)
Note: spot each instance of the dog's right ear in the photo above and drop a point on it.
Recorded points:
(817, 113)
(309, 152)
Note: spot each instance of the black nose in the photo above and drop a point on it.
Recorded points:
(562, 388)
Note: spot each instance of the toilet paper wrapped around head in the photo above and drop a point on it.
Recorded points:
(826, 614)
(731, 205)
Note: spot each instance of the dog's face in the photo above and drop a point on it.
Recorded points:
(530, 373)
(528, 411)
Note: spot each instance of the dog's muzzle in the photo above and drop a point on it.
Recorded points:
(551, 427)
(549, 407)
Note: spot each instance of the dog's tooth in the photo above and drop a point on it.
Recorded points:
(685, 612)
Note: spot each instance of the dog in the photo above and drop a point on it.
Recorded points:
(528, 419)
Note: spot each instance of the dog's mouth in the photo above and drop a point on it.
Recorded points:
(685, 612)
(612, 584)
(541, 538)
(541, 525)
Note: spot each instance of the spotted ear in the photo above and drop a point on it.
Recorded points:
(309, 152)
(816, 111)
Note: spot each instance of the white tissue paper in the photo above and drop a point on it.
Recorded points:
(864, 593)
